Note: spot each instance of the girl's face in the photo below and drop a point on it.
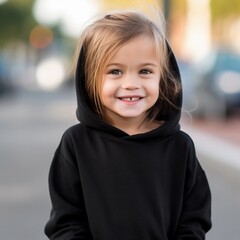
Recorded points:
(130, 84)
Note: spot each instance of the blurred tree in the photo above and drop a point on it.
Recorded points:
(16, 20)
(223, 8)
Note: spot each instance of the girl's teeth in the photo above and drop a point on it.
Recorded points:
(131, 99)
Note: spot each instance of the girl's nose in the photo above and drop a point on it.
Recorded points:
(131, 83)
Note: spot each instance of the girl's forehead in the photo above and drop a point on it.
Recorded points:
(138, 46)
(146, 38)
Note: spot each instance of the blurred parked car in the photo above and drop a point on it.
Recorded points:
(211, 87)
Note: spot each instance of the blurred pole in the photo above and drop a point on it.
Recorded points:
(198, 29)
(166, 7)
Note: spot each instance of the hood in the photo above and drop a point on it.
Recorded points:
(87, 116)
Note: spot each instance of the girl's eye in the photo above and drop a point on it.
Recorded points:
(115, 72)
(145, 71)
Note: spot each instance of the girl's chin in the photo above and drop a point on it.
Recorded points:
(130, 115)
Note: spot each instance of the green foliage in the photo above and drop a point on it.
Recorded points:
(16, 20)
(224, 8)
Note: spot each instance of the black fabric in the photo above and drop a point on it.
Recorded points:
(108, 185)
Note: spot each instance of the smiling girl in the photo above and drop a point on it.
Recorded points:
(127, 171)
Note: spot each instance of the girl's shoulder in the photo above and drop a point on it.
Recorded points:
(185, 139)
(74, 130)
(72, 134)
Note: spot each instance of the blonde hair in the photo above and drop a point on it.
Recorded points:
(104, 37)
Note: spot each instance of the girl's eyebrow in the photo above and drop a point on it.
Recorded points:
(140, 65)
(149, 64)
(115, 64)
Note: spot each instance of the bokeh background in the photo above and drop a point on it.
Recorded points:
(37, 98)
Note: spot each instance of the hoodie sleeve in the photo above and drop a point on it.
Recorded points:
(68, 218)
(195, 218)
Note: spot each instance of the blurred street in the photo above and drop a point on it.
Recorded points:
(31, 126)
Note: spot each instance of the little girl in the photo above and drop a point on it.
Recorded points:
(127, 171)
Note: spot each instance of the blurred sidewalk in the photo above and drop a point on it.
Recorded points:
(217, 140)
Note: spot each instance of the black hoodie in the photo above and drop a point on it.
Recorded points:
(108, 185)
